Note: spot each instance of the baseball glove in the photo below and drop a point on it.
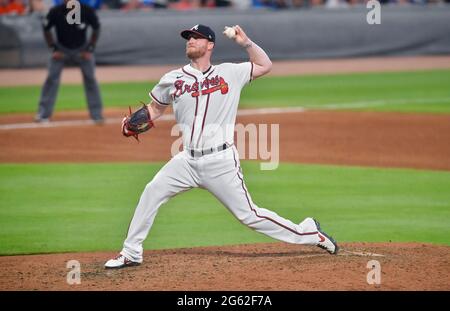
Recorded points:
(137, 122)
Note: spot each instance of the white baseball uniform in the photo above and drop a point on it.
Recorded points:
(205, 106)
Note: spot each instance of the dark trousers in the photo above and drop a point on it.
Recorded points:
(51, 85)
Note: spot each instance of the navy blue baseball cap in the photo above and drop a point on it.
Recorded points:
(200, 30)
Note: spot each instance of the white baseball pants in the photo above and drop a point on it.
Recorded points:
(221, 175)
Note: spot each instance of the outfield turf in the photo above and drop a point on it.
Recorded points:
(418, 91)
(87, 207)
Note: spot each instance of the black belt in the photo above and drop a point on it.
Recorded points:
(199, 153)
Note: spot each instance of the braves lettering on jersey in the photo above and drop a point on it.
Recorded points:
(204, 100)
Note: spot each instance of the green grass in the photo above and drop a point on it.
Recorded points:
(87, 207)
(418, 91)
(422, 91)
(72, 97)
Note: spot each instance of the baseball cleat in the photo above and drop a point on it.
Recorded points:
(120, 262)
(326, 242)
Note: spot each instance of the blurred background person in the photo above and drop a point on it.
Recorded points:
(241, 4)
(38, 6)
(70, 46)
(183, 5)
(215, 3)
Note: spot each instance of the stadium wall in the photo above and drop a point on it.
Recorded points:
(153, 37)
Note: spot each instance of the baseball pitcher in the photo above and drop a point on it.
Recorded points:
(205, 100)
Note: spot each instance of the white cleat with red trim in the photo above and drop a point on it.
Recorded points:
(326, 242)
(120, 262)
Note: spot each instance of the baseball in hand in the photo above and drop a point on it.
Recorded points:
(230, 32)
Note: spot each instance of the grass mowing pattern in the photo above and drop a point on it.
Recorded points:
(87, 207)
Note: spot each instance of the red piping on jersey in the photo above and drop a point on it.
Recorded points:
(196, 103)
(195, 117)
(210, 90)
(204, 118)
(235, 162)
(208, 70)
(156, 100)
(265, 217)
(207, 103)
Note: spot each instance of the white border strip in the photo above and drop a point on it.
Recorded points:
(171, 117)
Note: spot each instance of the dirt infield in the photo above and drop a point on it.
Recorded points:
(351, 138)
(274, 266)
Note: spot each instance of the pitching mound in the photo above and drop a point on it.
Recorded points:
(272, 266)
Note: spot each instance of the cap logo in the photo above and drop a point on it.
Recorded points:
(195, 27)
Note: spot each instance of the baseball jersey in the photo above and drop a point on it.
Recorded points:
(204, 103)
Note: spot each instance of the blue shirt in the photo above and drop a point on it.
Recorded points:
(96, 4)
